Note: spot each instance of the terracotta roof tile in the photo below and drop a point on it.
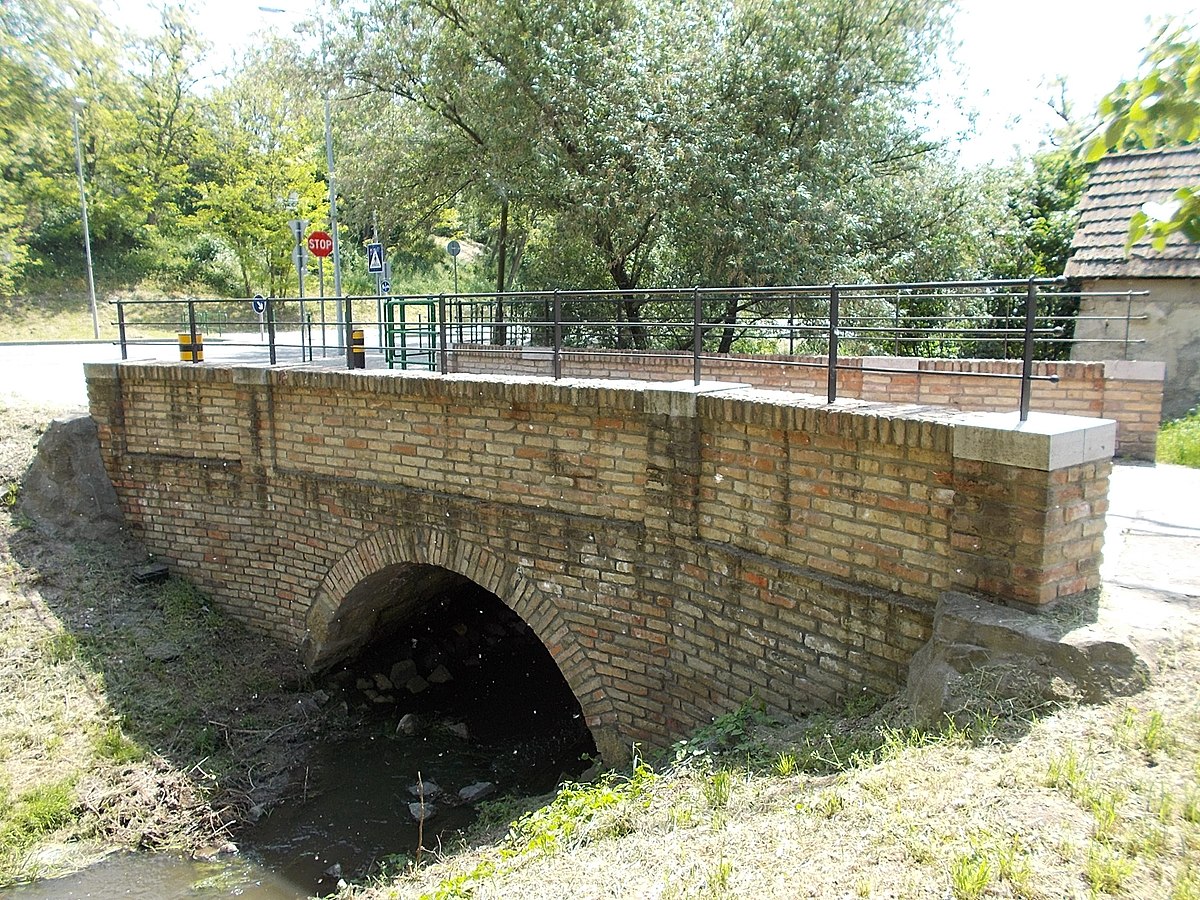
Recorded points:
(1117, 188)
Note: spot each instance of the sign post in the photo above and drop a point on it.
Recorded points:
(454, 248)
(300, 258)
(320, 245)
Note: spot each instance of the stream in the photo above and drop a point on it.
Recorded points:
(506, 724)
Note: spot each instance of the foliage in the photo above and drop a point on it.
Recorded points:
(1179, 441)
(579, 813)
(1160, 108)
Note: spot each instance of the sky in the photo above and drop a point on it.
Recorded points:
(1009, 54)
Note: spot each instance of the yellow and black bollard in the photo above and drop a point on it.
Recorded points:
(189, 352)
(358, 349)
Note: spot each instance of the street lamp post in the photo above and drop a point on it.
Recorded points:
(76, 105)
(342, 319)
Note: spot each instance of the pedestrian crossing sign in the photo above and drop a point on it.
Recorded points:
(375, 259)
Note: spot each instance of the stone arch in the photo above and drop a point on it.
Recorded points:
(418, 553)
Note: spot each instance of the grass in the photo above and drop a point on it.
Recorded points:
(1179, 441)
(123, 706)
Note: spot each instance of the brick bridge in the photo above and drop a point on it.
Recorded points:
(677, 549)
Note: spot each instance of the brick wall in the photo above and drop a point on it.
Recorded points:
(1130, 393)
(678, 550)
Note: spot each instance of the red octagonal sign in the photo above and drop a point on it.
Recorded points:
(320, 243)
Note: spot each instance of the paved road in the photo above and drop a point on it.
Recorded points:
(52, 374)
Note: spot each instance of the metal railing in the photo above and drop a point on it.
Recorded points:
(1028, 319)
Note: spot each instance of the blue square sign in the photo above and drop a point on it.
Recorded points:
(375, 259)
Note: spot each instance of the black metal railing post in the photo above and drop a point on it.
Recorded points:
(557, 336)
(271, 328)
(833, 342)
(443, 355)
(1031, 296)
(349, 333)
(792, 324)
(121, 329)
(697, 334)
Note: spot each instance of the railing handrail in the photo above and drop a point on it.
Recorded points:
(1018, 323)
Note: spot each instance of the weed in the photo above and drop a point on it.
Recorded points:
(1105, 812)
(10, 495)
(1155, 736)
(60, 647)
(1190, 808)
(37, 812)
(1163, 807)
(862, 888)
(785, 764)
(1187, 887)
(829, 804)
(729, 736)
(718, 787)
(1067, 773)
(1012, 865)
(862, 704)
(1106, 869)
(461, 887)
(681, 817)
(717, 883)
(970, 874)
(111, 744)
(579, 813)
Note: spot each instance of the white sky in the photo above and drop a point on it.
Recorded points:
(1009, 54)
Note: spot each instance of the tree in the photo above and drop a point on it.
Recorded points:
(266, 122)
(1160, 108)
(672, 141)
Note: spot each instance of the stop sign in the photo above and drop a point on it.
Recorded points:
(320, 243)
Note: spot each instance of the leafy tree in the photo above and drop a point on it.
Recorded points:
(266, 124)
(1160, 108)
(674, 141)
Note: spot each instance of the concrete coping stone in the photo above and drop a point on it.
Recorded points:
(678, 398)
(1135, 370)
(892, 363)
(1046, 441)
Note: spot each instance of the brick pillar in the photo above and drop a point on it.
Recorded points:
(1133, 396)
(1030, 500)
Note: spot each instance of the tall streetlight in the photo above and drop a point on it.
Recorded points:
(329, 177)
(76, 105)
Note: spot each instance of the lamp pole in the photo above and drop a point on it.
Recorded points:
(76, 105)
(333, 223)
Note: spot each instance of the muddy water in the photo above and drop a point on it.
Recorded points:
(352, 817)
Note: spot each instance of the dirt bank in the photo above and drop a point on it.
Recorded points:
(131, 715)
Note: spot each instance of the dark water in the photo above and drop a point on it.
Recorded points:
(351, 817)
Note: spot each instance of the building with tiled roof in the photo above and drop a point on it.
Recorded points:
(1164, 326)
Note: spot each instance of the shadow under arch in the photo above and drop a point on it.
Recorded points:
(389, 576)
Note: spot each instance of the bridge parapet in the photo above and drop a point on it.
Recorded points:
(677, 548)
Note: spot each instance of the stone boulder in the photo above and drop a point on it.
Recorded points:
(991, 659)
(66, 491)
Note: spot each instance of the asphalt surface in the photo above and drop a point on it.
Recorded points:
(52, 374)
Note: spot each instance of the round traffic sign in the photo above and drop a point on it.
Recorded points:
(320, 243)
(454, 248)
(385, 287)
(259, 304)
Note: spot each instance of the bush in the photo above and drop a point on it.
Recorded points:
(1179, 441)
